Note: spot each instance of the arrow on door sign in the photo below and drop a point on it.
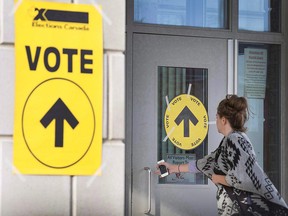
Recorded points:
(186, 115)
(60, 112)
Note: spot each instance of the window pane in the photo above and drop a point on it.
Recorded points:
(259, 81)
(173, 82)
(260, 15)
(198, 13)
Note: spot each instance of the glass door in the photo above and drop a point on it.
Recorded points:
(172, 77)
(178, 141)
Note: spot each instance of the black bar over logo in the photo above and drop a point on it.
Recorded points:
(61, 16)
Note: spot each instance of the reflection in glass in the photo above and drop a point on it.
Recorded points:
(260, 15)
(204, 13)
(174, 81)
(259, 81)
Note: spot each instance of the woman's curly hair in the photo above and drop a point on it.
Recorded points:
(235, 110)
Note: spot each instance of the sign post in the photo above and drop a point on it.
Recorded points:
(58, 93)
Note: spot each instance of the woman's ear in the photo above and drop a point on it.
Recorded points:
(224, 120)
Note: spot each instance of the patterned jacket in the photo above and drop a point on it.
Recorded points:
(251, 191)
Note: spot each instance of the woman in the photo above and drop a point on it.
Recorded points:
(243, 187)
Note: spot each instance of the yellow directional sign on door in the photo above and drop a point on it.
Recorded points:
(58, 96)
(186, 121)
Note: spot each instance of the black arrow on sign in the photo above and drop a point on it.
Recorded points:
(186, 115)
(60, 112)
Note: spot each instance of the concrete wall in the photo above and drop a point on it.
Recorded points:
(66, 195)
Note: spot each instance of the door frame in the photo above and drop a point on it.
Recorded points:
(155, 51)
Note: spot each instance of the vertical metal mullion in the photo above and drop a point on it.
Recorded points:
(234, 16)
(230, 79)
(236, 66)
(232, 58)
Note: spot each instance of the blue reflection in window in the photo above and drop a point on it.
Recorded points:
(198, 13)
(259, 15)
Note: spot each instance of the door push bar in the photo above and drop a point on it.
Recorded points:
(149, 190)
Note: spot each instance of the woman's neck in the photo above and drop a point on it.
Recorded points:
(227, 130)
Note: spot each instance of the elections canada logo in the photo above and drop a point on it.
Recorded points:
(60, 19)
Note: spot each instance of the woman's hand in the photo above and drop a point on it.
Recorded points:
(219, 179)
(170, 167)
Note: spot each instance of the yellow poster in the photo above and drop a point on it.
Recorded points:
(186, 122)
(58, 89)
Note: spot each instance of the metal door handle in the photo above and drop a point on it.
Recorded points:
(149, 190)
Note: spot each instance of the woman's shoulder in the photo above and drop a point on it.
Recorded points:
(235, 135)
(240, 139)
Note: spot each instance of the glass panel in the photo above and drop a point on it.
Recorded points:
(198, 13)
(172, 82)
(259, 81)
(260, 15)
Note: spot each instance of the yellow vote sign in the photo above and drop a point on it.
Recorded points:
(186, 122)
(58, 95)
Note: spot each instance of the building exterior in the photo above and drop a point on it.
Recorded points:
(157, 52)
(206, 49)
